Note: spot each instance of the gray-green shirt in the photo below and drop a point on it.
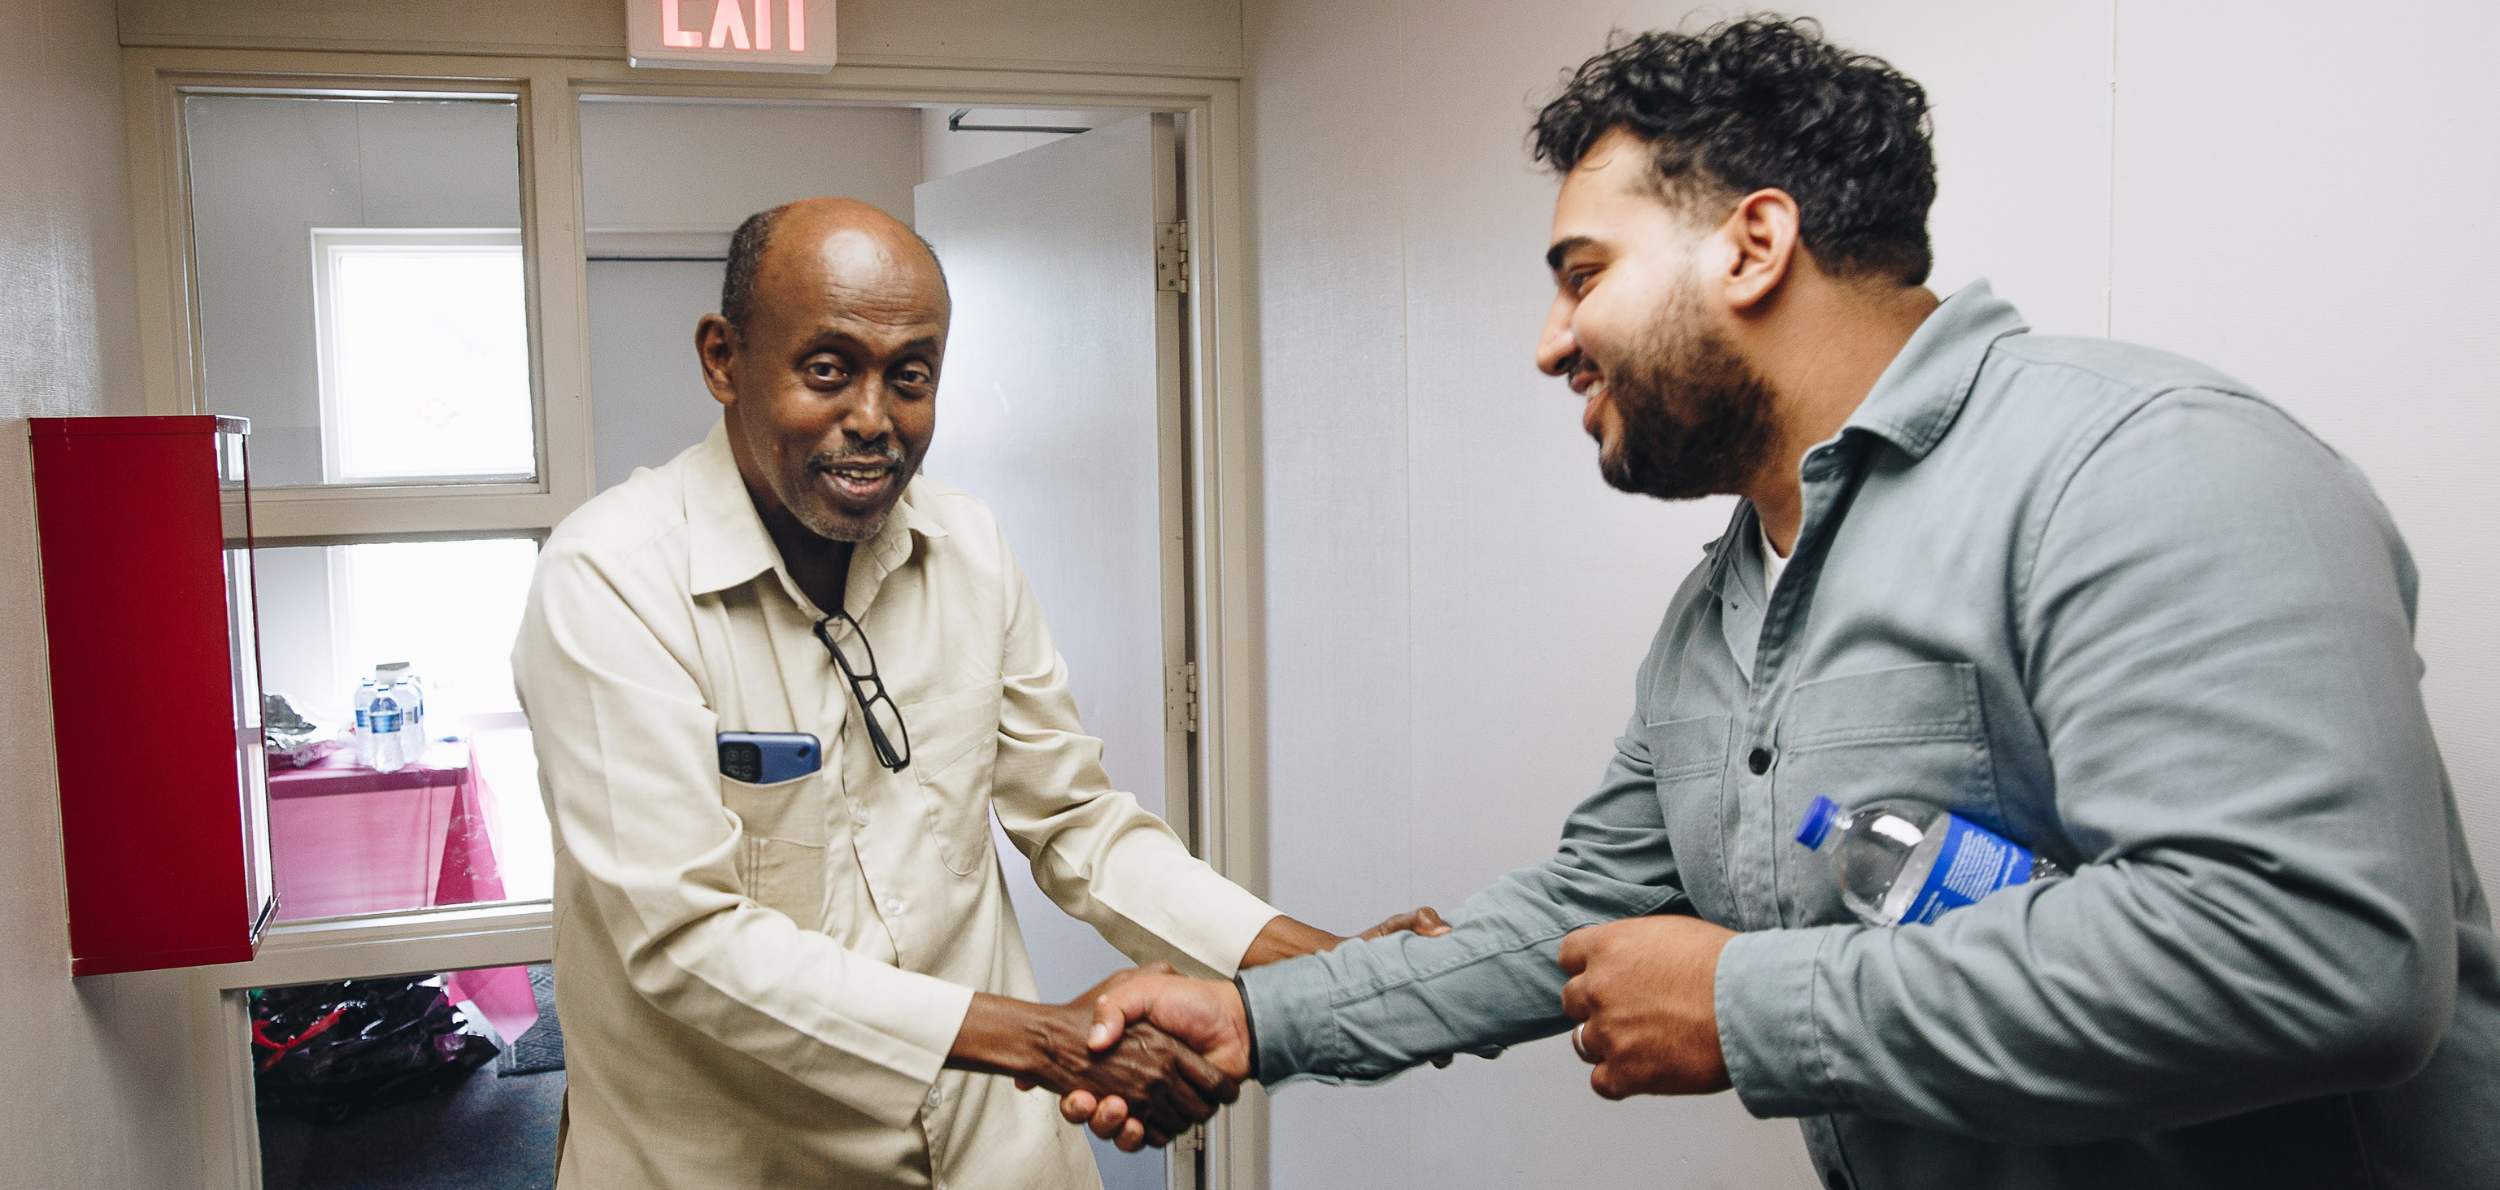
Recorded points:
(2115, 606)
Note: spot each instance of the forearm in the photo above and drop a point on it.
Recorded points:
(1284, 938)
(1043, 1043)
(1368, 1009)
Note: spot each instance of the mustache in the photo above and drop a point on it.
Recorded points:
(887, 452)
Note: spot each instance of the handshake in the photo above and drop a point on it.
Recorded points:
(1147, 1054)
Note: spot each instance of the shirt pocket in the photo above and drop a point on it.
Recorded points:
(954, 754)
(783, 833)
(1913, 731)
(1688, 758)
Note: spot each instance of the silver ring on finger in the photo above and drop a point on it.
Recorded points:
(1579, 1043)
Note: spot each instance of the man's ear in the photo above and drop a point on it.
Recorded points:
(1761, 237)
(716, 349)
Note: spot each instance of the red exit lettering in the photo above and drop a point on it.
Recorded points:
(730, 29)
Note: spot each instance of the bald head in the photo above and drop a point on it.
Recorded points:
(867, 240)
(825, 359)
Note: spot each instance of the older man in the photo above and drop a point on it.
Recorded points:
(2102, 599)
(801, 982)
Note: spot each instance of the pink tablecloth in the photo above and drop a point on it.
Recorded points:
(345, 839)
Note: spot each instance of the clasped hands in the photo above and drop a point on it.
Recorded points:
(1154, 1085)
(1642, 990)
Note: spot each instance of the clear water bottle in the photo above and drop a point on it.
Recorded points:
(1903, 860)
(411, 700)
(389, 751)
(364, 731)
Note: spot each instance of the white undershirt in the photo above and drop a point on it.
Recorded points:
(1772, 562)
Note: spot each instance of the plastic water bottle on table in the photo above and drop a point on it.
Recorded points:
(389, 751)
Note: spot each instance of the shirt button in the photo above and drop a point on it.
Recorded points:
(894, 906)
(933, 1096)
(859, 814)
(1759, 761)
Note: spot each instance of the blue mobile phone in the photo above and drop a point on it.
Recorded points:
(769, 757)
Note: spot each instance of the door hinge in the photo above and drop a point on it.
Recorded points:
(1180, 697)
(1172, 257)
(1191, 1141)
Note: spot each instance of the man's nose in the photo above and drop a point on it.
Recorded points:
(869, 415)
(1558, 346)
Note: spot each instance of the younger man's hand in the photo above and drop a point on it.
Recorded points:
(1203, 1014)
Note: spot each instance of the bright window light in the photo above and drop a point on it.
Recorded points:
(424, 344)
(450, 608)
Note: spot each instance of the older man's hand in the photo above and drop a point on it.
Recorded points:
(1643, 990)
(1167, 1085)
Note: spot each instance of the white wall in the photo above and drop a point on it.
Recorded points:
(98, 1093)
(707, 165)
(946, 150)
(1456, 603)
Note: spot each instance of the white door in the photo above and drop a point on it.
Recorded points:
(1060, 405)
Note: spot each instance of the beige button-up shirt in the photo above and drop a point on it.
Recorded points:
(759, 984)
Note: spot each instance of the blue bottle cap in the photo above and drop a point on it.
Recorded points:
(1818, 822)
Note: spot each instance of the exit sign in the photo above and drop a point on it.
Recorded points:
(731, 34)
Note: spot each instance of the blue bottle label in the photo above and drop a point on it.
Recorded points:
(385, 721)
(1973, 862)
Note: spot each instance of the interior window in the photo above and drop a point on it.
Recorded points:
(358, 268)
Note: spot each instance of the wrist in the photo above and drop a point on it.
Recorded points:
(1249, 1026)
(1015, 1037)
(1284, 938)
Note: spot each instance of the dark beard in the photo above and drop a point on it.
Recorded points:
(1696, 416)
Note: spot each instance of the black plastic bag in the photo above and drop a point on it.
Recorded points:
(326, 1051)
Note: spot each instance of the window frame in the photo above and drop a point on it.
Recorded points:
(1224, 817)
(170, 350)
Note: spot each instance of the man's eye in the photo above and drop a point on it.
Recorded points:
(825, 370)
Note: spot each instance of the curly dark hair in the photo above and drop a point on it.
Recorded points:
(1765, 102)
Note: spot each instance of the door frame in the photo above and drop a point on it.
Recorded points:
(1227, 810)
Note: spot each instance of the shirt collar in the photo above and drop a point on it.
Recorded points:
(728, 545)
(1916, 399)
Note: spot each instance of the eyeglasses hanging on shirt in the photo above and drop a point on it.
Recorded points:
(876, 708)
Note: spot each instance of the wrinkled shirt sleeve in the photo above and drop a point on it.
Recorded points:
(2217, 633)
(627, 764)
(1370, 1009)
(1095, 852)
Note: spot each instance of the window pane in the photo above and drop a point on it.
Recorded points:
(455, 819)
(416, 1082)
(425, 356)
(359, 283)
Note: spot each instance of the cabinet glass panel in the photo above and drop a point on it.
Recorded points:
(362, 297)
(234, 491)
